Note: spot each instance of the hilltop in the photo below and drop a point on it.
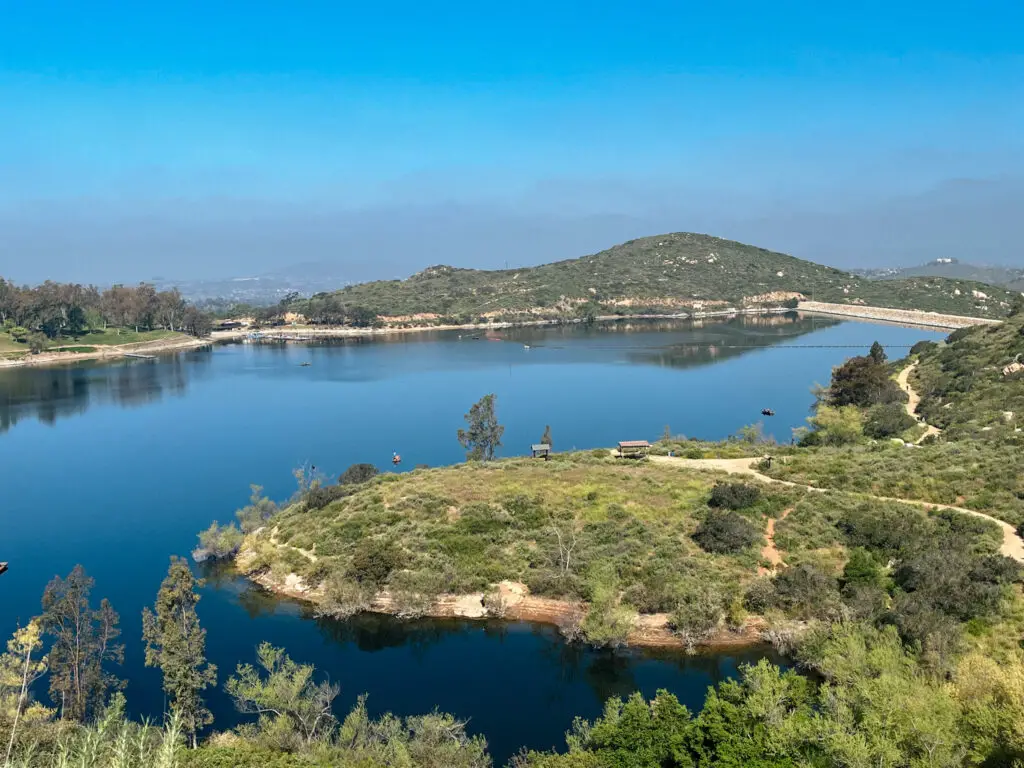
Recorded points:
(660, 274)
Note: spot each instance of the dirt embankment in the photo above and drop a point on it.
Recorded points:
(513, 601)
(901, 316)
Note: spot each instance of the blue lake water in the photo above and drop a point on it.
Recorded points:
(117, 466)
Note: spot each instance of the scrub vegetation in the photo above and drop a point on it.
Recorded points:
(903, 624)
(657, 274)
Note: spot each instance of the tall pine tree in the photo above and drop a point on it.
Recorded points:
(177, 644)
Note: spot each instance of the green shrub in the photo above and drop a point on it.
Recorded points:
(218, 541)
(806, 592)
(374, 560)
(734, 495)
(887, 420)
(834, 426)
(608, 620)
(344, 597)
(698, 614)
(760, 595)
(319, 496)
(37, 342)
(358, 473)
(725, 532)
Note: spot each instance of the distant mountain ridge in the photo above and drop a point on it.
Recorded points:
(663, 273)
(1011, 278)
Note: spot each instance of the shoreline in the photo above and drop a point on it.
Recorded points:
(305, 333)
(108, 352)
(882, 315)
(517, 604)
(905, 317)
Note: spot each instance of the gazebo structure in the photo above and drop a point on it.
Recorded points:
(541, 451)
(634, 449)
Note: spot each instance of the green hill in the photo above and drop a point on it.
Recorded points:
(973, 385)
(664, 273)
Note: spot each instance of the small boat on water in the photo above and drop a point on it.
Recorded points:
(3, 568)
(526, 346)
(304, 365)
(767, 412)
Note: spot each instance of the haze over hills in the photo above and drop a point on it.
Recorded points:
(659, 273)
(1010, 277)
(260, 289)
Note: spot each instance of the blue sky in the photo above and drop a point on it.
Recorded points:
(212, 139)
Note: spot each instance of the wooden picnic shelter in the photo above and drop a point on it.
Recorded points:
(634, 449)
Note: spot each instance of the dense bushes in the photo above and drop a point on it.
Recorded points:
(887, 420)
(734, 495)
(358, 473)
(319, 496)
(374, 560)
(725, 532)
(218, 541)
(807, 592)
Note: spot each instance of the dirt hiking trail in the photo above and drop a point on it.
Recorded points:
(913, 399)
(769, 551)
(1012, 546)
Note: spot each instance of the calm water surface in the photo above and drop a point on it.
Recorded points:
(117, 466)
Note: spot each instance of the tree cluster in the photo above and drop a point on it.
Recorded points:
(864, 382)
(68, 309)
(319, 309)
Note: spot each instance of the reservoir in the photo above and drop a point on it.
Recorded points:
(118, 465)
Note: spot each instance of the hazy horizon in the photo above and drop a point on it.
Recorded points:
(196, 142)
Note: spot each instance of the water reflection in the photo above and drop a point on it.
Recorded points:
(52, 393)
(711, 342)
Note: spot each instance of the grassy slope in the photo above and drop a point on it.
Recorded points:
(7, 344)
(978, 462)
(466, 527)
(973, 474)
(116, 336)
(109, 337)
(682, 267)
(962, 386)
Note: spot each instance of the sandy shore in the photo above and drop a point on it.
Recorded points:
(108, 352)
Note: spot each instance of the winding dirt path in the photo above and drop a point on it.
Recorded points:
(1012, 546)
(913, 399)
(769, 551)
